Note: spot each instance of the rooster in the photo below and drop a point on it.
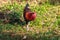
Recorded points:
(28, 15)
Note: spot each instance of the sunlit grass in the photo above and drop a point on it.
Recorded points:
(46, 26)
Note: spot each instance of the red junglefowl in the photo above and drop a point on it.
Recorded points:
(28, 15)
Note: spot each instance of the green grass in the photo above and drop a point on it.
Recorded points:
(46, 26)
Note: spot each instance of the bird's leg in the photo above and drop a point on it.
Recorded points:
(27, 26)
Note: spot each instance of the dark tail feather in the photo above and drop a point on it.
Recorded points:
(27, 5)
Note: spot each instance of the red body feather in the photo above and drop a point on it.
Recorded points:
(30, 16)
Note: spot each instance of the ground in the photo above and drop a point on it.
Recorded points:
(46, 26)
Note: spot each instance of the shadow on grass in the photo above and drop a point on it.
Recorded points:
(17, 22)
(11, 18)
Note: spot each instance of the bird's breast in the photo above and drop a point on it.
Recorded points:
(30, 16)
